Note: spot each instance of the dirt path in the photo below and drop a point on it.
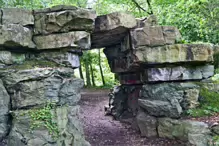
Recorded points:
(102, 130)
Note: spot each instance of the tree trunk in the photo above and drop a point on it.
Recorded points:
(92, 75)
(80, 72)
(101, 71)
(87, 73)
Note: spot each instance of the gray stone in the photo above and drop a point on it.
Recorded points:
(60, 57)
(171, 35)
(147, 36)
(193, 132)
(16, 36)
(4, 108)
(147, 124)
(215, 129)
(64, 19)
(77, 39)
(161, 108)
(36, 87)
(68, 125)
(178, 53)
(69, 92)
(168, 99)
(111, 29)
(8, 58)
(114, 20)
(17, 16)
(191, 97)
(159, 74)
(179, 73)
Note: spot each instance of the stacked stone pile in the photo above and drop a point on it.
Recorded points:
(39, 51)
(158, 73)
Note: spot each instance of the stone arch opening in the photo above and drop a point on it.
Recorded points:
(39, 51)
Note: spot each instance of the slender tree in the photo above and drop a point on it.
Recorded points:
(101, 70)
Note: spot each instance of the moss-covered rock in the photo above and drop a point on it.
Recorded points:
(47, 126)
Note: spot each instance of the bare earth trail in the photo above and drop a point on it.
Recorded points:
(101, 130)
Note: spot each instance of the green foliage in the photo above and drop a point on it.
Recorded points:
(33, 4)
(214, 141)
(208, 106)
(197, 20)
(44, 118)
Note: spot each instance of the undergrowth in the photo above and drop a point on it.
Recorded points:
(209, 105)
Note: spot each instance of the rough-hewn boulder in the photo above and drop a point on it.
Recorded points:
(16, 36)
(74, 39)
(147, 124)
(63, 19)
(168, 99)
(17, 16)
(196, 133)
(65, 128)
(4, 108)
(161, 108)
(154, 36)
(35, 87)
(111, 29)
(178, 53)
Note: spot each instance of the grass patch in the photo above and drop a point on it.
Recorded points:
(209, 105)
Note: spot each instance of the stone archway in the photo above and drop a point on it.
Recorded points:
(40, 50)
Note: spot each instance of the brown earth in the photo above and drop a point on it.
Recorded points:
(101, 130)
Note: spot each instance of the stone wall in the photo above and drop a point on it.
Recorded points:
(39, 95)
(158, 77)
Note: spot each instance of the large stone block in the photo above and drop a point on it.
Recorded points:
(17, 16)
(165, 74)
(110, 29)
(147, 124)
(63, 58)
(161, 108)
(4, 108)
(193, 132)
(178, 53)
(179, 73)
(16, 36)
(77, 39)
(36, 87)
(168, 99)
(63, 19)
(154, 36)
(60, 127)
